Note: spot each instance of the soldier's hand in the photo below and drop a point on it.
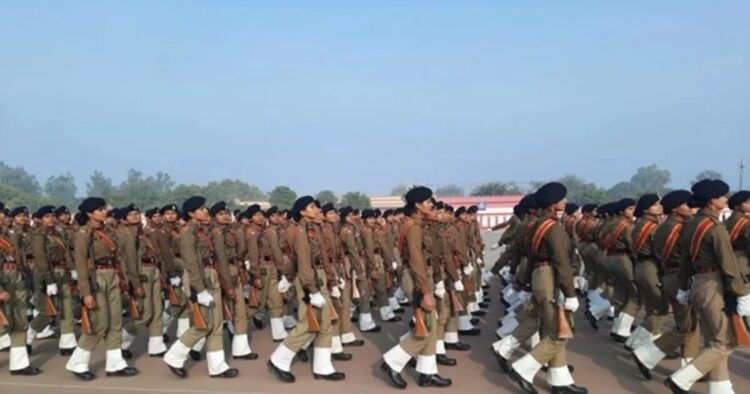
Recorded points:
(428, 303)
(139, 292)
(258, 283)
(4, 296)
(89, 301)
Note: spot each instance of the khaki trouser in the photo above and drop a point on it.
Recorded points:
(151, 306)
(15, 308)
(443, 315)
(365, 295)
(551, 349)
(707, 297)
(270, 298)
(345, 325)
(213, 316)
(238, 306)
(377, 274)
(301, 335)
(407, 283)
(106, 318)
(657, 307)
(422, 346)
(63, 302)
(626, 294)
(685, 332)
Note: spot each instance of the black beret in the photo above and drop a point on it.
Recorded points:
(2, 206)
(398, 211)
(287, 213)
(674, 199)
(604, 209)
(272, 211)
(472, 209)
(47, 209)
(118, 213)
(549, 194)
(252, 210)
(707, 189)
(571, 208)
(417, 194)
(368, 213)
(170, 207)
(328, 207)
(439, 205)
(345, 211)
(91, 204)
(19, 211)
(130, 208)
(460, 211)
(151, 212)
(449, 208)
(738, 198)
(644, 203)
(299, 205)
(192, 204)
(388, 213)
(61, 210)
(378, 212)
(527, 203)
(218, 207)
(80, 218)
(588, 208)
(624, 204)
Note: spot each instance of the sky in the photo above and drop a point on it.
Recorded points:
(365, 95)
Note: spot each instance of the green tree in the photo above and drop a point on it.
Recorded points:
(621, 190)
(650, 179)
(356, 200)
(400, 190)
(325, 196)
(19, 179)
(497, 188)
(61, 189)
(451, 190)
(100, 186)
(145, 192)
(13, 197)
(282, 196)
(180, 193)
(706, 174)
(582, 192)
(232, 191)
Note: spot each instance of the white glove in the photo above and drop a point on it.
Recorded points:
(458, 285)
(495, 246)
(52, 289)
(175, 281)
(317, 300)
(283, 285)
(247, 265)
(479, 261)
(581, 283)
(743, 305)
(394, 266)
(524, 296)
(468, 269)
(683, 296)
(336, 293)
(205, 298)
(342, 284)
(571, 304)
(440, 289)
(73, 275)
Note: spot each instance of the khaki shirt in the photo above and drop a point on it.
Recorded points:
(92, 245)
(50, 250)
(554, 250)
(412, 252)
(667, 240)
(643, 237)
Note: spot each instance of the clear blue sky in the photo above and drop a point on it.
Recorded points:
(357, 95)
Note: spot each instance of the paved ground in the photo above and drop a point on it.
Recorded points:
(601, 366)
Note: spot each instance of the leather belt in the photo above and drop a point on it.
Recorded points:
(706, 270)
(541, 264)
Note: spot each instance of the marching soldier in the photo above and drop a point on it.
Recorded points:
(421, 342)
(709, 279)
(375, 265)
(684, 335)
(314, 323)
(354, 253)
(172, 266)
(619, 247)
(96, 252)
(273, 247)
(197, 251)
(551, 273)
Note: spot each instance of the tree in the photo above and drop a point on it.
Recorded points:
(451, 190)
(145, 192)
(233, 191)
(282, 196)
(582, 192)
(13, 197)
(61, 189)
(497, 189)
(706, 174)
(356, 200)
(325, 196)
(650, 179)
(621, 190)
(99, 186)
(400, 190)
(179, 194)
(19, 179)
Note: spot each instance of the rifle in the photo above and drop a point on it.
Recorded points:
(455, 303)
(226, 312)
(355, 288)
(171, 294)
(252, 298)
(563, 325)
(49, 306)
(195, 311)
(312, 321)
(86, 321)
(741, 334)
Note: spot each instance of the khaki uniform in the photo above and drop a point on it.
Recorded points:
(376, 270)
(12, 280)
(619, 247)
(227, 247)
(272, 251)
(648, 281)
(711, 271)
(354, 253)
(343, 331)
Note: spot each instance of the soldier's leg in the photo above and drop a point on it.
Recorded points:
(41, 320)
(155, 305)
(528, 325)
(67, 340)
(282, 357)
(366, 323)
(647, 280)
(410, 346)
(386, 314)
(79, 360)
(322, 364)
(19, 357)
(240, 340)
(187, 340)
(215, 357)
(275, 305)
(708, 300)
(4, 339)
(407, 283)
(182, 312)
(346, 328)
(628, 297)
(113, 311)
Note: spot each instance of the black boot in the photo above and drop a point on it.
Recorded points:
(127, 354)
(374, 329)
(283, 376)
(521, 382)
(341, 356)
(85, 376)
(674, 387)
(572, 389)
(195, 355)
(258, 323)
(642, 368)
(179, 372)
(302, 356)
(460, 346)
(474, 321)
(501, 361)
(394, 377)
(228, 374)
(332, 377)
(158, 355)
(394, 319)
(251, 356)
(442, 359)
(66, 352)
(471, 332)
(479, 313)
(355, 343)
(28, 371)
(433, 381)
(124, 373)
(592, 320)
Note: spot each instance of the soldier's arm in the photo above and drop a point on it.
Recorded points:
(351, 247)
(162, 240)
(272, 237)
(18, 247)
(722, 248)
(82, 240)
(386, 249)
(369, 247)
(304, 263)
(191, 260)
(129, 252)
(416, 260)
(686, 265)
(222, 260)
(563, 269)
(38, 241)
(253, 252)
(241, 243)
